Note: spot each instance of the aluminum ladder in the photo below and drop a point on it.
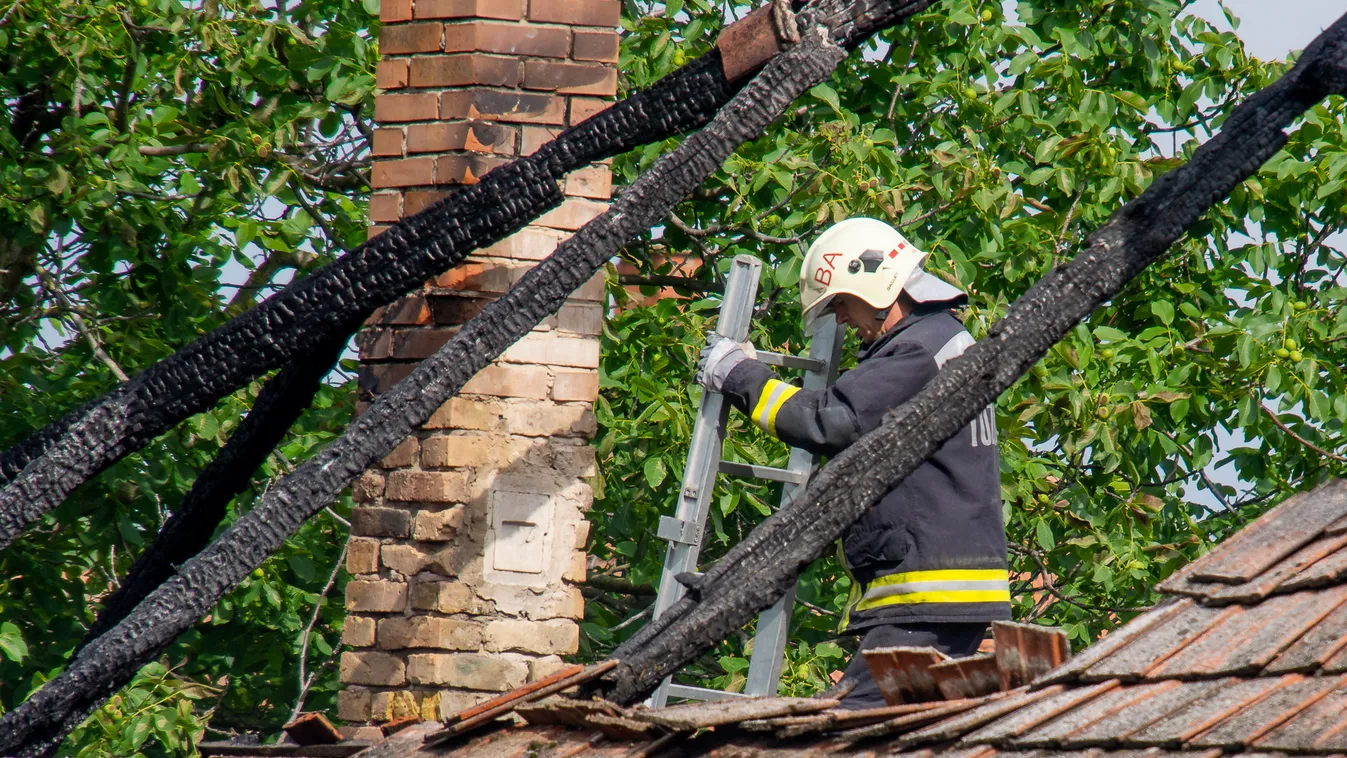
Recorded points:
(684, 530)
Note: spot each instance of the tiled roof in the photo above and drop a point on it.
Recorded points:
(1248, 655)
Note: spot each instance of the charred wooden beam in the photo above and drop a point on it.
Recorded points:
(758, 571)
(112, 659)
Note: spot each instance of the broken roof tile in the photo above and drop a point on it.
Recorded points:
(1077, 719)
(973, 676)
(1025, 652)
(691, 716)
(1152, 649)
(1200, 715)
(1024, 719)
(1330, 569)
(1279, 533)
(1115, 641)
(1161, 703)
(1250, 723)
(902, 675)
(1336, 664)
(1246, 644)
(1274, 579)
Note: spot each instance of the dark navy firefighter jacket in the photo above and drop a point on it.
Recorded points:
(934, 548)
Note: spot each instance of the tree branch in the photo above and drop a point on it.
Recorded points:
(1273, 416)
(679, 282)
(190, 147)
(305, 682)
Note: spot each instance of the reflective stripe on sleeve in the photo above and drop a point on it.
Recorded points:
(939, 586)
(774, 395)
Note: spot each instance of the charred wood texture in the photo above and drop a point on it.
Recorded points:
(112, 659)
(39, 473)
(189, 529)
(759, 570)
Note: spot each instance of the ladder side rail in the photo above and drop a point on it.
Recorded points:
(773, 630)
(685, 529)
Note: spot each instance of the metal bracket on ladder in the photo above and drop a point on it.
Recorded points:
(685, 528)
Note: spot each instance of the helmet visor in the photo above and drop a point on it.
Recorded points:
(817, 310)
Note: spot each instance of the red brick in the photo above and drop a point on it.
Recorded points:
(509, 10)
(592, 290)
(534, 137)
(571, 78)
(479, 277)
(412, 107)
(380, 522)
(380, 378)
(475, 136)
(595, 46)
(375, 344)
(528, 244)
(415, 202)
(395, 10)
(385, 206)
(387, 142)
(580, 318)
(465, 169)
(391, 74)
(409, 311)
(374, 231)
(455, 310)
(576, 12)
(429, 486)
(513, 107)
(584, 107)
(415, 344)
(509, 39)
(410, 38)
(570, 385)
(405, 172)
(509, 381)
(591, 181)
(572, 214)
(461, 70)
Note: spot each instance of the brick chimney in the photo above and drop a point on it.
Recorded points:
(468, 540)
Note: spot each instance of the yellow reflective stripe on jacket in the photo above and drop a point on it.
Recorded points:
(774, 395)
(937, 586)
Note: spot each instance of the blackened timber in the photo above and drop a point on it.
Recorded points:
(194, 521)
(40, 472)
(758, 571)
(112, 659)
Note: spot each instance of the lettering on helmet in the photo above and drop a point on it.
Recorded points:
(823, 276)
(828, 258)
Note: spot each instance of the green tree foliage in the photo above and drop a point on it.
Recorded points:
(996, 144)
(165, 165)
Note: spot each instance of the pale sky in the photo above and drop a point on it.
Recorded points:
(1272, 28)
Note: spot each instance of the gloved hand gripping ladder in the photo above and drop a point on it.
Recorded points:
(684, 530)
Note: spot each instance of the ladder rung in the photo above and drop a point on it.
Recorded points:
(676, 530)
(761, 472)
(701, 693)
(790, 361)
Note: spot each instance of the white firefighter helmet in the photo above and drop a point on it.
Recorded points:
(869, 259)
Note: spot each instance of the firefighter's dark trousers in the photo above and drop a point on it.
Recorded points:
(954, 640)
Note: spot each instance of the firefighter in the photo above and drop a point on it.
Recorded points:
(928, 561)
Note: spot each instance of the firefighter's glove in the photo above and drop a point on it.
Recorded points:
(719, 358)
